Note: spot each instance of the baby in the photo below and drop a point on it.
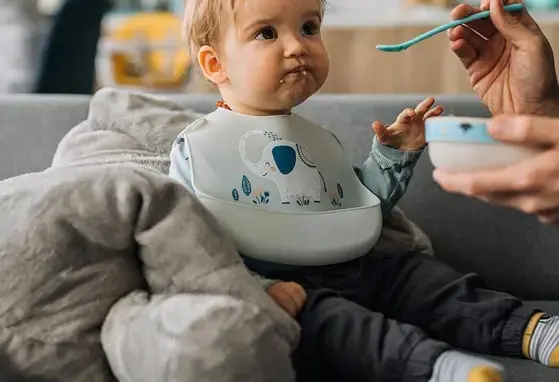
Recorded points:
(365, 317)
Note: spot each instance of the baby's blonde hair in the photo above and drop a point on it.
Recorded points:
(204, 20)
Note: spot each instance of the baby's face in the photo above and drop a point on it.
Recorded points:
(273, 54)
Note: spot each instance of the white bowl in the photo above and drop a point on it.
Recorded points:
(463, 144)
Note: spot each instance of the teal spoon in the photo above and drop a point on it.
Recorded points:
(439, 29)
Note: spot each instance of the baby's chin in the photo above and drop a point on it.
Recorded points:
(284, 97)
(287, 102)
(296, 94)
(279, 105)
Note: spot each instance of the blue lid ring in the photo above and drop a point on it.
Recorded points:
(456, 129)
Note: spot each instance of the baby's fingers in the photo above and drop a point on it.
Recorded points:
(406, 116)
(299, 296)
(380, 130)
(424, 106)
(435, 112)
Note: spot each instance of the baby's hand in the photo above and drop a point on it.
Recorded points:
(290, 296)
(408, 132)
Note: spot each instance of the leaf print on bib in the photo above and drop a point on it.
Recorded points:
(247, 187)
(340, 191)
(302, 200)
(272, 136)
(262, 198)
(337, 199)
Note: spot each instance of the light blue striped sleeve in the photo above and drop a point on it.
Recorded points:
(387, 173)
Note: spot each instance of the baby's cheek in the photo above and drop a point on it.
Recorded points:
(263, 81)
(324, 68)
(320, 60)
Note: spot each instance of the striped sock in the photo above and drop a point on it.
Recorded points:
(455, 366)
(541, 339)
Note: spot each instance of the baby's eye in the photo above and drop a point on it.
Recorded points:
(310, 28)
(267, 33)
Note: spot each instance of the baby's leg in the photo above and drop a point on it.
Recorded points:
(356, 344)
(460, 310)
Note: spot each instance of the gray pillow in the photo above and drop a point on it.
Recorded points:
(188, 337)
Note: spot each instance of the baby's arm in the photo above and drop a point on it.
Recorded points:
(396, 149)
(179, 170)
(387, 173)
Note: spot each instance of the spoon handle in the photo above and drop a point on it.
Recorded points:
(441, 28)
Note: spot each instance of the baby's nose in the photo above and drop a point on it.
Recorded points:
(295, 47)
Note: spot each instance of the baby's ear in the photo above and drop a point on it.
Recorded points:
(211, 65)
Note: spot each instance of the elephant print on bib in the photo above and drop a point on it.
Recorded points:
(285, 163)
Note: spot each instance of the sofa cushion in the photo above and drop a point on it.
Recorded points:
(31, 127)
(510, 250)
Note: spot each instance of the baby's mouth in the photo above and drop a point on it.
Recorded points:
(298, 74)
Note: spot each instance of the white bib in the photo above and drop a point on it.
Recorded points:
(283, 188)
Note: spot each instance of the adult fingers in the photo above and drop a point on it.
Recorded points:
(517, 27)
(468, 35)
(484, 26)
(526, 130)
(478, 184)
(529, 176)
(465, 44)
(485, 4)
(529, 203)
(464, 51)
(463, 10)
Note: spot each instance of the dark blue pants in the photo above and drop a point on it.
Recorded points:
(68, 59)
(389, 317)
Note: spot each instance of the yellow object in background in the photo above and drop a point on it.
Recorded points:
(144, 50)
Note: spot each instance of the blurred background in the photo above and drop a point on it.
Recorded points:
(78, 46)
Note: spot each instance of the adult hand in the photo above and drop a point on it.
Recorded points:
(513, 71)
(531, 186)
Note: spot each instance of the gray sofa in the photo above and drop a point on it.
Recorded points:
(511, 251)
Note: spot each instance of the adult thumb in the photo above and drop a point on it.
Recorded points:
(516, 27)
(525, 130)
